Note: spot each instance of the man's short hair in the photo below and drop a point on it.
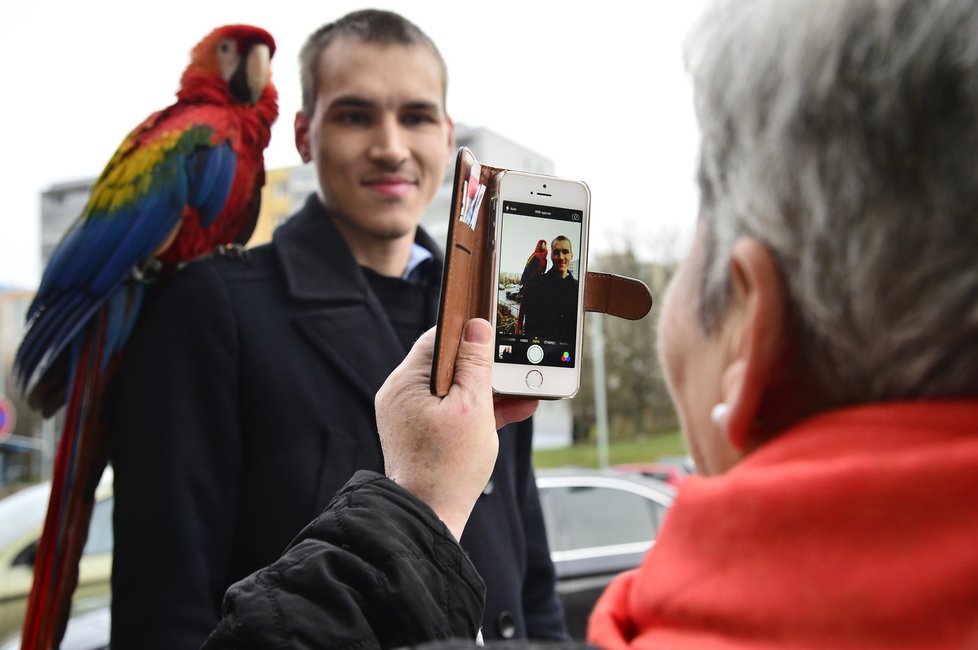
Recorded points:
(562, 238)
(368, 26)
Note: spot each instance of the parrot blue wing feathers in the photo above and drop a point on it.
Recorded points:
(212, 174)
(114, 234)
(68, 310)
(123, 306)
(72, 312)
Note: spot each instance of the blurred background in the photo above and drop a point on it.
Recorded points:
(590, 91)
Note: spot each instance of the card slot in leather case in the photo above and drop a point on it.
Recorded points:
(466, 290)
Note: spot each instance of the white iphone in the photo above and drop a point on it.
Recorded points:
(539, 265)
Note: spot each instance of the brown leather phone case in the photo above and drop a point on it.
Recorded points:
(466, 290)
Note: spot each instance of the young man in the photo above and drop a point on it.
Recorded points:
(246, 399)
(550, 301)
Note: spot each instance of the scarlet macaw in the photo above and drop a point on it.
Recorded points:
(186, 180)
(536, 264)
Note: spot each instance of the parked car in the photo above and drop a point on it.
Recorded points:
(21, 519)
(598, 525)
(671, 469)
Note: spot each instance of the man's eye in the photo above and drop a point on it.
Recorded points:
(353, 117)
(414, 119)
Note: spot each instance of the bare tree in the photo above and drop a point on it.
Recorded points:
(638, 401)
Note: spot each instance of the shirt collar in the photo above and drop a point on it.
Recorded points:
(419, 254)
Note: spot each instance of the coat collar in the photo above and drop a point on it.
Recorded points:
(341, 317)
(316, 261)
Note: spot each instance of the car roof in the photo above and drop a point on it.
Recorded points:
(598, 477)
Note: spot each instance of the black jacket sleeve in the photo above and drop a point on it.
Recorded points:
(377, 569)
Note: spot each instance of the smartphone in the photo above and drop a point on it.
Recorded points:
(539, 262)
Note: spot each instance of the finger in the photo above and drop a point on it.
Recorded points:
(417, 364)
(424, 346)
(513, 410)
(473, 365)
(412, 372)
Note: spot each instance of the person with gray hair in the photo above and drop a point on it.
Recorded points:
(843, 137)
(820, 343)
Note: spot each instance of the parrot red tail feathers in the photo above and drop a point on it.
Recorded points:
(66, 521)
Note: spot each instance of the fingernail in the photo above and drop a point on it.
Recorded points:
(477, 331)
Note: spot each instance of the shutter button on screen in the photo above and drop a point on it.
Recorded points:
(534, 379)
(534, 354)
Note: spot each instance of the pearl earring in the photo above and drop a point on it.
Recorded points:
(719, 413)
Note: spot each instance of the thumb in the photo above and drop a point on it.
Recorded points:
(473, 365)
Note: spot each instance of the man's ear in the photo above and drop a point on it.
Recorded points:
(451, 135)
(755, 336)
(302, 145)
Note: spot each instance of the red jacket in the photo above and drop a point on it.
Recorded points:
(855, 529)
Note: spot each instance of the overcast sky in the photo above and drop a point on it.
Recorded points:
(598, 87)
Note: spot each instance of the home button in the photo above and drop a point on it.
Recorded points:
(534, 379)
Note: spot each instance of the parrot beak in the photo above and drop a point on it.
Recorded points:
(256, 70)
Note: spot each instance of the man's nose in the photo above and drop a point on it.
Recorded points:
(389, 145)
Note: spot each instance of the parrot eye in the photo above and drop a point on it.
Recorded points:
(225, 47)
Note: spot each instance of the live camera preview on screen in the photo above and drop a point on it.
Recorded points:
(536, 314)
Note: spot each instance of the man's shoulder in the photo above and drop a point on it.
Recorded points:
(203, 283)
(230, 265)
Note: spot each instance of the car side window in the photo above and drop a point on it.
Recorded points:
(100, 530)
(26, 556)
(599, 516)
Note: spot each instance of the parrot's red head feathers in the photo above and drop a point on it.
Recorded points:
(238, 55)
(541, 245)
(244, 35)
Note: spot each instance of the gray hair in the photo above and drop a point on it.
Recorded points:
(844, 135)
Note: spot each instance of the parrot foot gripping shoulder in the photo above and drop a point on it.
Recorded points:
(236, 251)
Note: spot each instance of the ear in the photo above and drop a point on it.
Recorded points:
(755, 335)
(451, 135)
(302, 144)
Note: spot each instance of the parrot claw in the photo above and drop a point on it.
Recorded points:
(236, 251)
(147, 272)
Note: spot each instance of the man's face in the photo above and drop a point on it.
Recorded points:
(379, 136)
(561, 256)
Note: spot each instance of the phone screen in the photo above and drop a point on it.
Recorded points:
(538, 285)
